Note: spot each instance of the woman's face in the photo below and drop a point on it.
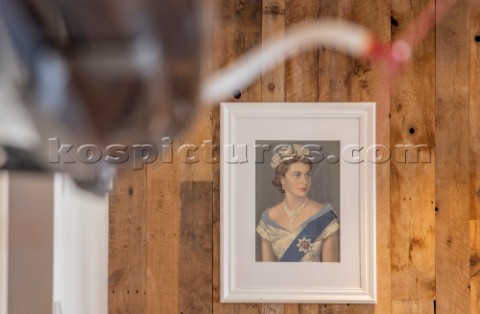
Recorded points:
(297, 179)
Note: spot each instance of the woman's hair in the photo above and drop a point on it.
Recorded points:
(282, 168)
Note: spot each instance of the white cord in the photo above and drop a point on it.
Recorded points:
(329, 33)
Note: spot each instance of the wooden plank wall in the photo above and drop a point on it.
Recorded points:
(453, 174)
(413, 181)
(164, 220)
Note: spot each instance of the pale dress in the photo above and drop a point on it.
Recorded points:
(310, 247)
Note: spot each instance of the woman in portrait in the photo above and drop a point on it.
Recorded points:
(298, 229)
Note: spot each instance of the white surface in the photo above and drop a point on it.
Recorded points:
(3, 242)
(16, 126)
(81, 249)
(30, 243)
(344, 36)
(57, 249)
(353, 279)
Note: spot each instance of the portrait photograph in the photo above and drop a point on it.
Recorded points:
(297, 203)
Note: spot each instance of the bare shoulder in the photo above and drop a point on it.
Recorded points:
(315, 206)
(275, 212)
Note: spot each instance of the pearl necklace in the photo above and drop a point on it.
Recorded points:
(293, 214)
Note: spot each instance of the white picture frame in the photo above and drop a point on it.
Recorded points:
(346, 128)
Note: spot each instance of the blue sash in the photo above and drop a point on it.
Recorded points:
(311, 231)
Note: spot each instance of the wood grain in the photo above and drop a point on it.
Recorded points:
(237, 29)
(367, 86)
(335, 69)
(163, 229)
(413, 306)
(196, 247)
(273, 24)
(474, 144)
(474, 114)
(301, 72)
(164, 222)
(412, 177)
(179, 257)
(273, 82)
(127, 244)
(453, 162)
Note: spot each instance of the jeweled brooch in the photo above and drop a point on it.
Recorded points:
(304, 245)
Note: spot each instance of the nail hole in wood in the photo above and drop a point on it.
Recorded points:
(436, 209)
(237, 94)
(477, 38)
(394, 21)
(412, 130)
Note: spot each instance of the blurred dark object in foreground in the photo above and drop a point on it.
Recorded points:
(103, 72)
(13, 158)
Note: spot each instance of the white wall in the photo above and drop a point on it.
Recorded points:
(30, 243)
(81, 249)
(57, 246)
(3, 242)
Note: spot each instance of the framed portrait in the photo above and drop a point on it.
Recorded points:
(298, 202)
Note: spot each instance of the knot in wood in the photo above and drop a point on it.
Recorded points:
(273, 10)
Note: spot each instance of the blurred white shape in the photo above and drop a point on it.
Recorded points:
(3, 242)
(347, 37)
(53, 245)
(16, 126)
(80, 249)
(141, 59)
(30, 245)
